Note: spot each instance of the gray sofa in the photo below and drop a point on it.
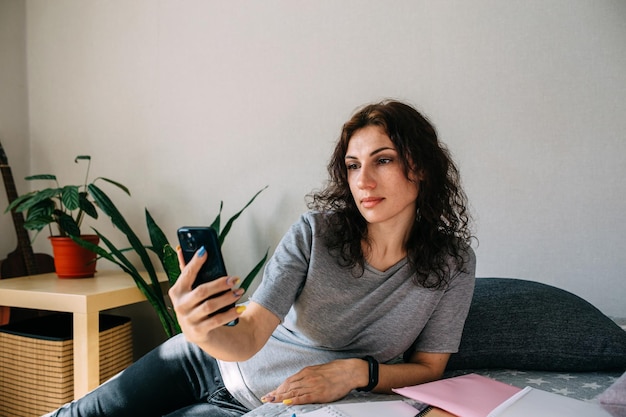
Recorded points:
(531, 334)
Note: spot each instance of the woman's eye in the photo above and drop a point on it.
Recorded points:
(384, 161)
(351, 166)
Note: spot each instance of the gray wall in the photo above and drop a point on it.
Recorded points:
(13, 108)
(193, 102)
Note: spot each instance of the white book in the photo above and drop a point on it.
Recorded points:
(535, 402)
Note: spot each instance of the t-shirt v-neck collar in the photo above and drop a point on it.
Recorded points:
(389, 271)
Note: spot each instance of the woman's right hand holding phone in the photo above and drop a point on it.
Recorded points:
(196, 308)
(196, 312)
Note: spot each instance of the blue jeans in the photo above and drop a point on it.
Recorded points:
(176, 379)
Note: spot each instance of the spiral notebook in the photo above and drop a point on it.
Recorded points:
(365, 409)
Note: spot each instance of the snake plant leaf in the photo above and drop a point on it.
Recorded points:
(229, 223)
(170, 264)
(153, 292)
(98, 250)
(157, 237)
(160, 246)
(217, 222)
(107, 206)
(170, 325)
(128, 267)
(167, 255)
(250, 277)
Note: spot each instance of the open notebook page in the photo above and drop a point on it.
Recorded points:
(365, 409)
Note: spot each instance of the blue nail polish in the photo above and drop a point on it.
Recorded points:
(201, 251)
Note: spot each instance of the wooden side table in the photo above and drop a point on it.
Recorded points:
(85, 298)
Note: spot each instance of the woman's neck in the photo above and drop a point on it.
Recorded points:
(385, 246)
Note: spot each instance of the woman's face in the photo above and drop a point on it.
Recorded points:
(380, 189)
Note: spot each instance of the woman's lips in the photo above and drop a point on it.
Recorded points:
(370, 202)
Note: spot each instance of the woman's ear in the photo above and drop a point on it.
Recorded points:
(418, 175)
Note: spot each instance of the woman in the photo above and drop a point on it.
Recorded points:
(369, 290)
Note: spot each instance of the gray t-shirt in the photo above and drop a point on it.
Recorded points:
(327, 313)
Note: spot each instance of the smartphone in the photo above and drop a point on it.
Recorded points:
(193, 238)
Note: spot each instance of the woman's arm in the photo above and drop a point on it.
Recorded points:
(422, 367)
(195, 312)
(334, 380)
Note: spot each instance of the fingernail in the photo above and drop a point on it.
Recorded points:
(288, 401)
(238, 292)
(267, 399)
(201, 251)
(240, 309)
(177, 248)
(234, 282)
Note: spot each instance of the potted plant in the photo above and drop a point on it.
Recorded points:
(64, 206)
(159, 246)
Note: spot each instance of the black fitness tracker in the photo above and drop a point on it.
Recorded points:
(373, 374)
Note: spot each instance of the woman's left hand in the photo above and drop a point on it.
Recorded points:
(320, 383)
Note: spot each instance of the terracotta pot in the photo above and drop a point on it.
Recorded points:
(72, 260)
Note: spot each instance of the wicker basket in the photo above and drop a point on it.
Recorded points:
(37, 361)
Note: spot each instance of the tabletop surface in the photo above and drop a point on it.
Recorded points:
(107, 289)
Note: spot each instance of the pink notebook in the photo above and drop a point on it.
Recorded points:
(469, 395)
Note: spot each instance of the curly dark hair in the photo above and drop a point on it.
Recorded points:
(442, 226)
